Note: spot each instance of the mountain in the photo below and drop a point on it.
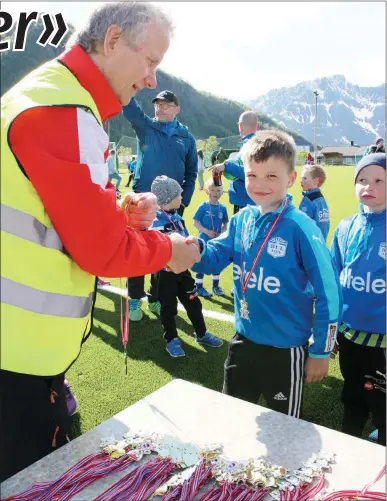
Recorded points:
(204, 114)
(345, 112)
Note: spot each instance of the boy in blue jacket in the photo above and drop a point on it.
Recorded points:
(314, 204)
(211, 220)
(168, 286)
(275, 250)
(359, 254)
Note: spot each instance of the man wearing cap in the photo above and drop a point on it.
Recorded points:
(233, 169)
(164, 147)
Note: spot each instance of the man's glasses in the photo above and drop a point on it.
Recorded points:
(164, 106)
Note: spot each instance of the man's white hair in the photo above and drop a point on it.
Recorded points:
(132, 17)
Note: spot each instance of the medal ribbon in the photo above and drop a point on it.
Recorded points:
(260, 250)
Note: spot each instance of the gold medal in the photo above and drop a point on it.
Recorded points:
(244, 310)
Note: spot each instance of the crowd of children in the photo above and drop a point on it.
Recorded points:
(283, 335)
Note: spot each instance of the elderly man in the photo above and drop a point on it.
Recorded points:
(164, 147)
(233, 169)
(61, 226)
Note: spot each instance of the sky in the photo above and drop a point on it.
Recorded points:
(241, 50)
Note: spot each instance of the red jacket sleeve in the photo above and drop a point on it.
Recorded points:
(83, 209)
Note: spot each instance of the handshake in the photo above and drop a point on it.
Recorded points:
(140, 210)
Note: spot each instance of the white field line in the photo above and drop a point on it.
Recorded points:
(207, 313)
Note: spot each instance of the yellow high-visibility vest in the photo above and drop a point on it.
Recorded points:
(46, 298)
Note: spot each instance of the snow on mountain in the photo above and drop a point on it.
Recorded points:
(345, 112)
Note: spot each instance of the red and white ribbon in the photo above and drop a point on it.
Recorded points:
(188, 489)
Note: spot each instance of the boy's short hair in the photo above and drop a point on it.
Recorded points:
(112, 151)
(316, 171)
(270, 143)
(210, 183)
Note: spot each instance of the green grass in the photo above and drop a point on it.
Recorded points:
(98, 377)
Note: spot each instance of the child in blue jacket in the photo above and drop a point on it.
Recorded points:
(211, 220)
(314, 203)
(275, 250)
(169, 286)
(359, 254)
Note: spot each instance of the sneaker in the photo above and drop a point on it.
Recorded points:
(373, 437)
(232, 292)
(101, 282)
(174, 348)
(118, 195)
(218, 291)
(209, 340)
(203, 292)
(135, 313)
(71, 401)
(155, 307)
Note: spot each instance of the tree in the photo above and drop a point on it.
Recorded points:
(211, 144)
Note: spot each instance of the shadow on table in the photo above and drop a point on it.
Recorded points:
(286, 437)
(146, 343)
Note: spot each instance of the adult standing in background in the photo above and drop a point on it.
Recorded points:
(201, 169)
(164, 147)
(233, 169)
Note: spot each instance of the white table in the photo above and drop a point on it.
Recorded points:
(198, 415)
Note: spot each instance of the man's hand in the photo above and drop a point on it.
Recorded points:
(211, 234)
(185, 253)
(140, 209)
(316, 369)
(217, 168)
(193, 240)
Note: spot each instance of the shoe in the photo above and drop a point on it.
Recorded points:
(71, 401)
(135, 313)
(155, 307)
(101, 282)
(373, 437)
(209, 340)
(218, 291)
(174, 348)
(203, 292)
(232, 292)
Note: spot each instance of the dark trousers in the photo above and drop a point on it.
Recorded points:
(237, 208)
(29, 419)
(252, 370)
(131, 176)
(136, 289)
(172, 287)
(363, 393)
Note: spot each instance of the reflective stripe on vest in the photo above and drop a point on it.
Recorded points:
(23, 225)
(44, 303)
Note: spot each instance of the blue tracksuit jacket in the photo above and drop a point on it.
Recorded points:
(281, 313)
(237, 189)
(359, 254)
(315, 206)
(162, 149)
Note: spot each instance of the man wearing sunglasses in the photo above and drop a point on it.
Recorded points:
(164, 147)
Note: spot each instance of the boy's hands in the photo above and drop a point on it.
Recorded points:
(316, 369)
(211, 233)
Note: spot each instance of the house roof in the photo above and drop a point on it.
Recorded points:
(346, 151)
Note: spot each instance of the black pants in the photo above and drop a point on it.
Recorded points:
(131, 176)
(172, 287)
(252, 370)
(237, 208)
(29, 418)
(363, 393)
(136, 289)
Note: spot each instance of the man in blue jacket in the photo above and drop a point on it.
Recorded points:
(164, 147)
(233, 169)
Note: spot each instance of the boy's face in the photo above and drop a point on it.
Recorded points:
(370, 187)
(307, 182)
(268, 182)
(214, 192)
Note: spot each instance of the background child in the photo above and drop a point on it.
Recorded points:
(211, 220)
(314, 203)
(131, 168)
(359, 254)
(276, 250)
(113, 172)
(170, 286)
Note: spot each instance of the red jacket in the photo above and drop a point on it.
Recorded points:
(63, 151)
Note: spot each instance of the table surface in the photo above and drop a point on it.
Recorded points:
(201, 416)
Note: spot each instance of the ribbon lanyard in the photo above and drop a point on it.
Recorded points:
(244, 307)
(170, 219)
(212, 219)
